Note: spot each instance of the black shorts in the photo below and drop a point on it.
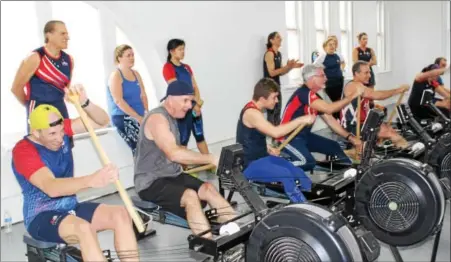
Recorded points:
(167, 192)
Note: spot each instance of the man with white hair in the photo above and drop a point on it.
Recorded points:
(306, 101)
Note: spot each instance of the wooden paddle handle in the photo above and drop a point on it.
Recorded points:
(392, 114)
(359, 100)
(292, 135)
(199, 168)
(120, 188)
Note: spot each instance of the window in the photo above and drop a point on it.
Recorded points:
(20, 36)
(293, 10)
(85, 46)
(448, 30)
(381, 37)
(321, 11)
(141, 67)
(345, 47)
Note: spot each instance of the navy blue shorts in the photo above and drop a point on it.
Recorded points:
(190, 124)
(44, 226)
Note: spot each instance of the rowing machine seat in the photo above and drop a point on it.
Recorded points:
(27, 239)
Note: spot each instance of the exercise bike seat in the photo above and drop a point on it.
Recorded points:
(38, 243)
(138, 202)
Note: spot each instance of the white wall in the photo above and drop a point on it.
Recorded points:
(225, 45)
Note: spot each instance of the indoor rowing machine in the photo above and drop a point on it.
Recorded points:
(305, 230)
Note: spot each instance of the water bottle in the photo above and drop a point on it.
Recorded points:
(8, 222)
(197, 124)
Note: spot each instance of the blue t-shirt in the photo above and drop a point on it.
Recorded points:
(27, 158)
(332, 65)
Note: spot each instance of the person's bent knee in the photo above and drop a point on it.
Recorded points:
(190, 198)
(121, 217)
(75, 229)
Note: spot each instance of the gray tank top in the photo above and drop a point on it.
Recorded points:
(151, 162)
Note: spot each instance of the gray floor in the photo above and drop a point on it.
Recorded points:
(170, 243)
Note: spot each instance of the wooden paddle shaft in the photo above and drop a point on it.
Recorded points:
(199, 168)
(359, 99)
(120, 188)
(292, 135)
(392, 114)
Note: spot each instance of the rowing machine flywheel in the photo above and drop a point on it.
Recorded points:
(440, 156)
(400, 201)
(303, 232)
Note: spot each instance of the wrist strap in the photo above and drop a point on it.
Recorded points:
(85, 104)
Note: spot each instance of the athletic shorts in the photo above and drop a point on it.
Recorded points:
(167, 192)
(44, 226)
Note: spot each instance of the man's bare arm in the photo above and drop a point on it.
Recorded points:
(157, 129)
(44, 179)
(255, 119)
(330, 108)
(26, 70)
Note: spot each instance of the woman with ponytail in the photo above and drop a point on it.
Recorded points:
(174, 70)
(272, 68)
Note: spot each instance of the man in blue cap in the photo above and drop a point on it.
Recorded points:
(159, 176)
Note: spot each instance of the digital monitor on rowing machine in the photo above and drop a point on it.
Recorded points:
(427, 97)
(406, 116)
(427, 100)
(374, 119)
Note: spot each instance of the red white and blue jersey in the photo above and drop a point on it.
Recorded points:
(27, 158)
(299, 105)
(50, 78)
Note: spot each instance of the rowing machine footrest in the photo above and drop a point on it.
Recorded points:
(27, 239)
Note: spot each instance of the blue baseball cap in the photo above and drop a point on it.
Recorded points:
(178, 88)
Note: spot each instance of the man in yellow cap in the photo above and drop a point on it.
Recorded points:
(43, 165)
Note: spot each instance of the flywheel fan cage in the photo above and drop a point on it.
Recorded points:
(445, 166)
(394, 206)
(290, 249)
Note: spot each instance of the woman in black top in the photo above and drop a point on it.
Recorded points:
(364, 53)
(272, 68)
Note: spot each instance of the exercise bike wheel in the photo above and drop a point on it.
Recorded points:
(440, 156)
(400, 201)
(303, 232)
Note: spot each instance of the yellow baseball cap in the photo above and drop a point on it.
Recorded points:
(39, 117)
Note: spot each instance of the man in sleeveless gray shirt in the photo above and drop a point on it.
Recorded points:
(159, 176)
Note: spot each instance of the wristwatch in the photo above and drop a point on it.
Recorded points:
(85, 104)
(347, 137)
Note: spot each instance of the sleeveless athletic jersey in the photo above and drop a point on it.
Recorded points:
(182, 72)
(299, 105)
(348, 113)
(332, 64)
(417, 92)
(277, 64)
(131, 92)
(364, 55)
(253, 142)
(150, 162)
(27, 158)
(52, 76)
